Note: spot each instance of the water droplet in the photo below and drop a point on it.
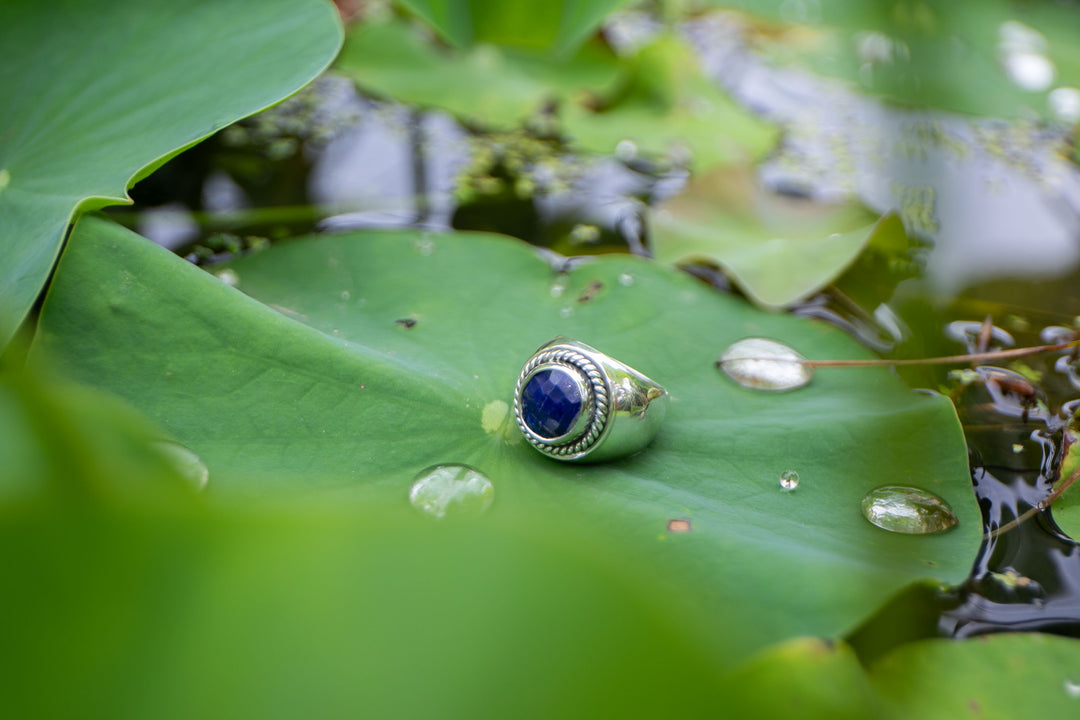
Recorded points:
(907, 510)
(968, 333)
(1030, 71)
(345, 295)
(1072, 689)
(494, 416)
(558, 287)
(184, 462)
(789, 480)
(765, 364)
(1022, 50)
(425, 246)
(626, 150)
(1065, 104)
(566, 311)
(228, 276)
(626, 279)
(678, 526)
(456, 490)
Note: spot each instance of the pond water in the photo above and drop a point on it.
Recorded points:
(992, 208)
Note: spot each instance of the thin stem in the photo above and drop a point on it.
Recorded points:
(1054, 494)
(971, 357)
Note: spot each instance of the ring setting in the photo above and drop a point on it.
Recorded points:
(574, 403)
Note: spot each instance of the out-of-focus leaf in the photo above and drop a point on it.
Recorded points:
(555, 26)
(665, 106)
(777, 249)
(98, 94)
(805, 678)
(65, 440)
(486, 84)
(377, 355)
(995, 677)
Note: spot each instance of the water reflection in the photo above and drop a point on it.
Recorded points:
(998, 199)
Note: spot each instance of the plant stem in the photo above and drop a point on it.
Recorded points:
(969, 358)
(1054, 494)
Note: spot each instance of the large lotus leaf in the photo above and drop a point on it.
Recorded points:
(556, 26)
(665, 105)
(777, 249)
(378, 354)
(996, 678)
(96, 94)
(486, 84)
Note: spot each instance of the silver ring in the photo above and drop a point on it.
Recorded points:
(574, 403)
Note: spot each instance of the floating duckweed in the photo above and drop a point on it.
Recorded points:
(765, 364)
(907, 510)
(452, 489)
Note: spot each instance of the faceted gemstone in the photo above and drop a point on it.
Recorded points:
(551, 402)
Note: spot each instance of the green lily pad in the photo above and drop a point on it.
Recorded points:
(374, 355)
(102, 93)
(557, 27)
(486, 84)
(778, 250)
(665, 105)
(994, 677)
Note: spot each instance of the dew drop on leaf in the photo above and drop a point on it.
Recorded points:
(452, 489)
(228, 276)
(1072, 689)
(765, 364)
(186, 463)
(626, 279)
(789, 480)
(907, 510)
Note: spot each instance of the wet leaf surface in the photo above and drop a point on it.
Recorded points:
(114, 89)
(320, 393)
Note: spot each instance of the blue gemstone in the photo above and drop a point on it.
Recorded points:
(551, 402)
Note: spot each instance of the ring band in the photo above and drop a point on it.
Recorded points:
(574, 403)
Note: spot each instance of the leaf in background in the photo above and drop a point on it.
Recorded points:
(556, 27)
(323, 391)
(665, 103)
(996, 677)
(101, 93)
(993, 58)
(486, 84)
(778, 250)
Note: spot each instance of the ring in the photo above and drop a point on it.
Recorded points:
(574, 403)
